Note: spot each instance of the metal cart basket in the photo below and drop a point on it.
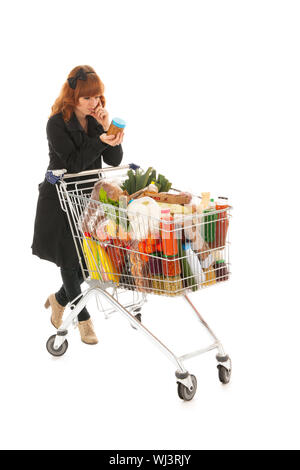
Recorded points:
(126, 248)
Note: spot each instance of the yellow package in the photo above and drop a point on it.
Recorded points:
(106, 266)
(210, 276)
(90, 249)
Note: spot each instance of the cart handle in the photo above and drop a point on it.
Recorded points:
(54, 176)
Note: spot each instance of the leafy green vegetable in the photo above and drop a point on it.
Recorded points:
(117, 213)
(140, 180)
(110, 212)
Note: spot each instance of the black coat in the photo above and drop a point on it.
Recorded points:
(70, 147)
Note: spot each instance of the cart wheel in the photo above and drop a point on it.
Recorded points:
(184, 393)
(224, 374)
(138, 316)
(56, 352)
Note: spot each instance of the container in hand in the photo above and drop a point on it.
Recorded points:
(116, 126)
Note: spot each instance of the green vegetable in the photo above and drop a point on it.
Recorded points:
(152, 177)
(146, 177)
(125, 186)
(140, 180)
(168, 187)
(110, 212)
(163, 184)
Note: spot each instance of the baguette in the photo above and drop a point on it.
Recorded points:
(181, 198)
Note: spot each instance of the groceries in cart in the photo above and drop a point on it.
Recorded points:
(141, 234)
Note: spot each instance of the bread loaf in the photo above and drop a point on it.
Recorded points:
(181, 198)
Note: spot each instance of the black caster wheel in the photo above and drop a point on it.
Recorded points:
(224, 374)
(184, 393)
(138, 316)
(56, 352)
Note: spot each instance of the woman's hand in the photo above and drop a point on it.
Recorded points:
(101, 116)
(112, 140)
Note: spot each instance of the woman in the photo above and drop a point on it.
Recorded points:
(76, 132)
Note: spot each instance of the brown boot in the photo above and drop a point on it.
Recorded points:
(87, 332)
(57, 310)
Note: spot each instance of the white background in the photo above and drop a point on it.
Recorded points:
(210, 91)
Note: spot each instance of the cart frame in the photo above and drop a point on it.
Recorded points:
(57, 344)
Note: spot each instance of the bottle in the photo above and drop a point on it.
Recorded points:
(171, 266)
(210, 223)
(221, 271)
(210, 276)
(167, 227)
(222, 222)
(116, 126)
(205, 198)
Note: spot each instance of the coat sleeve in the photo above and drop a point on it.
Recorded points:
(74, 159)
(113, 155)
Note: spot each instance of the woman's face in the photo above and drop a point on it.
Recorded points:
(87, 104)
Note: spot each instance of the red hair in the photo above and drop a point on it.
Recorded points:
(69, 98)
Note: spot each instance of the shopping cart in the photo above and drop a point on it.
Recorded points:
(122, 256)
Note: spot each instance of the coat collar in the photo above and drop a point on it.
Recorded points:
(74, 125)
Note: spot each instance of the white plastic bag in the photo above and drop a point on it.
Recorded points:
(144, 217)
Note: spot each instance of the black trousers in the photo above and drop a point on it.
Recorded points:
(72, 279)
